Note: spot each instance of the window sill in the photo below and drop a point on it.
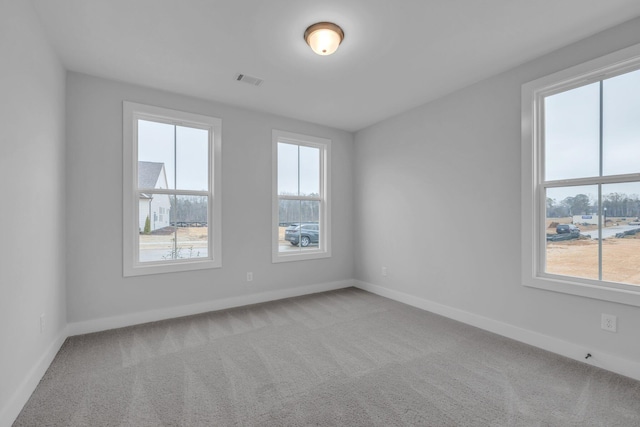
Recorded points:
(612, 292)
(158, 268)
(278, 257)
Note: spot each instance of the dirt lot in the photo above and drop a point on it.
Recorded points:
(191, 234)
(185, 234)
(579, 258)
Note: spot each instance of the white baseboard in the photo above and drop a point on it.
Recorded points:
(577, 352)
(103, 324)
(606, 361)
(12, 409)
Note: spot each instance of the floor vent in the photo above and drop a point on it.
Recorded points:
(249, 79)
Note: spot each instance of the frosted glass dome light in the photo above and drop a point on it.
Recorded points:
(324, 37)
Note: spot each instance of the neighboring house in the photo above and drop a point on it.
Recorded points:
(154, 206)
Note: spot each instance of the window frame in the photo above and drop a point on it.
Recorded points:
(533, 202)
(324, 248)
(131, 112)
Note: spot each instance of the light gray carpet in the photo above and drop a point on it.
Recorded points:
(345, 357)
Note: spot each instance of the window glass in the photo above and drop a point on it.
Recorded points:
(192, 158)
(156, 145)
(621, 233)
(171, 217)
(621, 124)
(156, 237)
(288, 169)
(299, 224)
(309, 171)
(299, 228)
(173, 227)
(590, 143)
(300, 197)
(571, 231)
(192, 231)
(572, 133)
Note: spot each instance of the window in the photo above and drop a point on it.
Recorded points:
(171, 190)
(301, 222)
(581, 179)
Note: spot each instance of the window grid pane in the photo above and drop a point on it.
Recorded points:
(621, 124)
(299, 200)
(591, 133)
(572, 132)
(172, 227)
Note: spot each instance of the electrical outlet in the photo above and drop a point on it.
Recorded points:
(249, 276)
(384, 271)
(609, 322)
(42, 323)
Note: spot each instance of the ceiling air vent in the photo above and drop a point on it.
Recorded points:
(249, 79)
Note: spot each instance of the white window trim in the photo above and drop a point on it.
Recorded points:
(131, 267)
(324, 249)
(533, 243)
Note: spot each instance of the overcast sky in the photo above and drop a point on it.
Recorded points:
(298, 170)
(189, 154)
(298, 166)
(572, 135)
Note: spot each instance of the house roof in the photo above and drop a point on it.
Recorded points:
(148, 173)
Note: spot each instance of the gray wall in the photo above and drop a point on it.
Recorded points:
(418, 180)
(429, 184)
(96, 288)
(32, 194)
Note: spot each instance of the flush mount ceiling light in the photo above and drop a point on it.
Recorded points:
(324, 37)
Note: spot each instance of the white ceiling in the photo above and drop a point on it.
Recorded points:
(397, 54)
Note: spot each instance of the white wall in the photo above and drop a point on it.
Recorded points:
(96, 288)
(430, 186)
(32, 203)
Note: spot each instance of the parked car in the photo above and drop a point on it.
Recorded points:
(302, 235)
(568, 228)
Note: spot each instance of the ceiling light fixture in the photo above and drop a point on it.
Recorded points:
(324, 37)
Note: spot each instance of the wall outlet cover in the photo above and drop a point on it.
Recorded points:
(609, 322)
